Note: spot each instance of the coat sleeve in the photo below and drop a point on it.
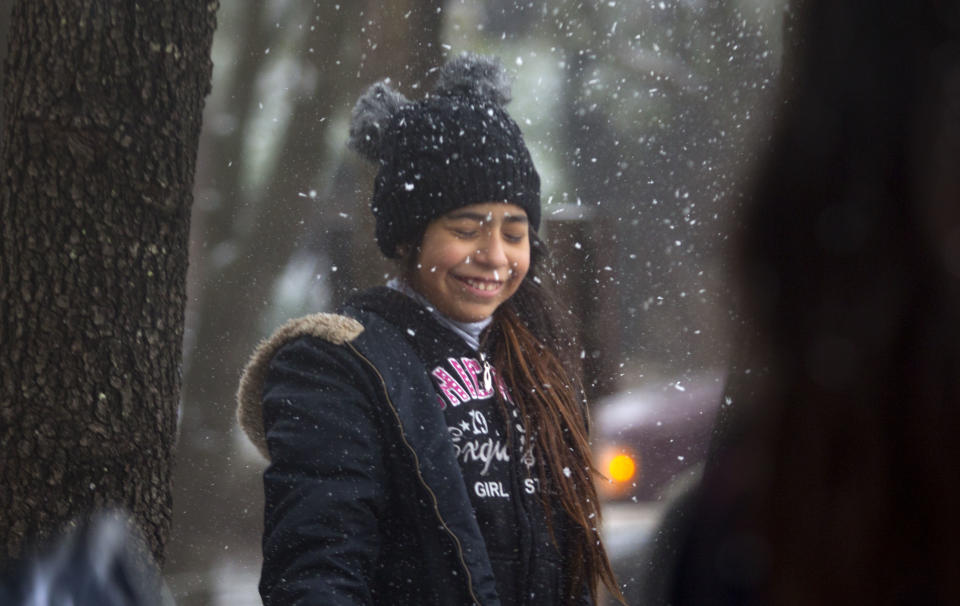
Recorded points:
(325, 485)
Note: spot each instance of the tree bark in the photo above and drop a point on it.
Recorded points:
(103, 104)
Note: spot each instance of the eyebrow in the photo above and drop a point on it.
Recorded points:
(482, 217)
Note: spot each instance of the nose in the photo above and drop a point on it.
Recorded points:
(492, 251)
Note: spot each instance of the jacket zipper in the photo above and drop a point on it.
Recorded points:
(416, 461)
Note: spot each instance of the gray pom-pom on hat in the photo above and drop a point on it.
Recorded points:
(455, 147)
(476, 75)
(370, 118)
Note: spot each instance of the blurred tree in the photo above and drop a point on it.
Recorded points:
(254, 217)
(102, 116)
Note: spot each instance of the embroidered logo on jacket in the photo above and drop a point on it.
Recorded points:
(470, 386)
(477, 429)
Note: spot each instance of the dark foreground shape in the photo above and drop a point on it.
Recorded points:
(834, 478)
(96, 565)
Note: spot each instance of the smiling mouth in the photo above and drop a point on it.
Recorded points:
(481, 285)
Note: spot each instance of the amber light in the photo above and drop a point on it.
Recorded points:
(621, 468)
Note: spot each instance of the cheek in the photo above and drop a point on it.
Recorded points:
(520, 267)
(450, 257)
(440, 259)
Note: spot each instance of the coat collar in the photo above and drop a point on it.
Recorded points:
(330, 327)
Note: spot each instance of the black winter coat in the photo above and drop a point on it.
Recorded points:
(365, 502)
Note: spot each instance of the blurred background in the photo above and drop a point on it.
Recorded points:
(642, 118)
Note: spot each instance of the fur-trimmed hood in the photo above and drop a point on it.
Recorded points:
(335, 328)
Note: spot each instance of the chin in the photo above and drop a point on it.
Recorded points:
(471, 317)
(472, 314)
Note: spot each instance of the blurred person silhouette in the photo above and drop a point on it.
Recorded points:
(833, 478)
(99, 563)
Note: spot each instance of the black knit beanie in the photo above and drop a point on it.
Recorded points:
(457, 146)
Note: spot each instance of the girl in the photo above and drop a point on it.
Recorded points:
(428, 445)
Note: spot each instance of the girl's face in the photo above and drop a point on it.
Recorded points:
(472, 259)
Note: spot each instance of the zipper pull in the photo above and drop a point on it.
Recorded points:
(487, 380)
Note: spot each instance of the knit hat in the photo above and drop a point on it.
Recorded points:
(455, 147)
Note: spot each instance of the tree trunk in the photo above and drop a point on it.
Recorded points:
(103, 105)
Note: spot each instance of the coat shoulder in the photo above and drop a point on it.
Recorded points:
(335, 328)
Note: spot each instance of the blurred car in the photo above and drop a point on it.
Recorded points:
(649, 438)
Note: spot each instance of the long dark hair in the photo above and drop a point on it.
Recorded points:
(534, 348)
